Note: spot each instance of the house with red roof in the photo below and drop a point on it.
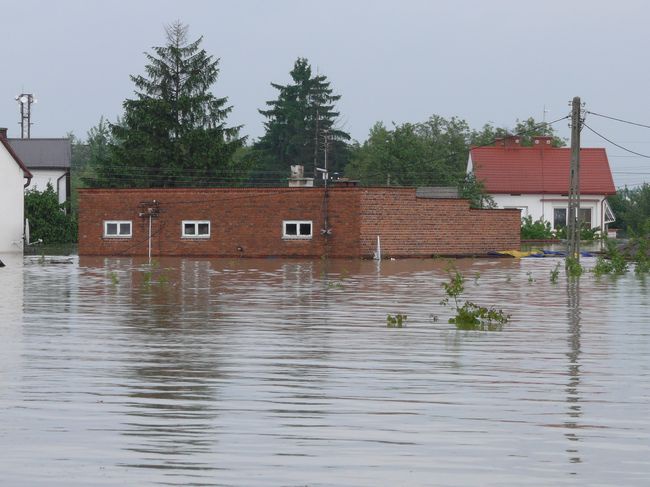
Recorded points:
(535, 180)
(14, 177)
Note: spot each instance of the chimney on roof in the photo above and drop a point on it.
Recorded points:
(508, 141)
(3, 133)
(298, 179)
(542, 141)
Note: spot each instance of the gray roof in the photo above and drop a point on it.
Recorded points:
(43, 153)
(437, 192)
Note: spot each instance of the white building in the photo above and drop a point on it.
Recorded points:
(536, 180)
(14, 177)
(49, 162)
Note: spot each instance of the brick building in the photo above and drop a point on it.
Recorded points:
(288, 222)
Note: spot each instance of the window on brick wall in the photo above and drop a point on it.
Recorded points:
(296, 229)
(117, 229)
(195, 229)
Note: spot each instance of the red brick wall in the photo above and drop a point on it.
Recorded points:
(251, 219)
(418, 227)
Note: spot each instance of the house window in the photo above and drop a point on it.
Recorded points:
(295, 229)
(585, 218)
(117, 229)
(559, 218)
(195, 229)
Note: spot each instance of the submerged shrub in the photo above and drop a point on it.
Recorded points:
(573, 267)
(470, 316)
(397, 321)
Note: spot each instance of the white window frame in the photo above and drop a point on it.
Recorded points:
(196, 224)
(285, 236)
(119, 223)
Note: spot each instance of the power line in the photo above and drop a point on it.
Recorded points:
(619, 119)
(614, 143)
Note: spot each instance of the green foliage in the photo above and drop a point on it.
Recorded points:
(455, 287)
(114, 278)
(535, 230)
(474, 190)
(572, 267)
(300, 122)
(632, 208)
(48, 219)
(525, 129)
(397, 321)
(555, 273)
(617, 259)
(470, 316)
(173, 133)
(413, 154)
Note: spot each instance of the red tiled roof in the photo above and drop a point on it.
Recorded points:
(526, 170)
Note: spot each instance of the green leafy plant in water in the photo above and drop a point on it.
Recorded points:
(615, 263)
(113, 277)
(573, 267)
(146, 279)
(163, 279)
(530, 277)
(334, 285)
(470, 316)
(477, 276)
(397, 321)
(555, 273)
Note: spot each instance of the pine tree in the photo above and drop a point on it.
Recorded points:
(302, 125)
(174, 133)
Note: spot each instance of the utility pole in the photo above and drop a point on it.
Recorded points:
(150, 209)
(573, 216)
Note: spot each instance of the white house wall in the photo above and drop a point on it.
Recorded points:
(542, 206)
(11, 202)
(44, 176)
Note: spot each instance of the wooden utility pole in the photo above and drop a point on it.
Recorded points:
(573, 216)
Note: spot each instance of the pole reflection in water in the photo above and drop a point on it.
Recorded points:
(572, 388)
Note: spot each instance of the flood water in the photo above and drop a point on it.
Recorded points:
(284, 373)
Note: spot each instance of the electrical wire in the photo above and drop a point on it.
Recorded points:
(614, 143)
(618, 119)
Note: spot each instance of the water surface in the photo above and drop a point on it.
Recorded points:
(283, 372)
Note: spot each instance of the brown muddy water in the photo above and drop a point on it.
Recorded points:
(284, 373)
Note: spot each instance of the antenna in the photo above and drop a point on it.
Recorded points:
(25, 100)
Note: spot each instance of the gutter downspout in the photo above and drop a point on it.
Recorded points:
(29, 180)
(58, 186)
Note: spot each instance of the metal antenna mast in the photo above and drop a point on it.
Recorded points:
(25, 100)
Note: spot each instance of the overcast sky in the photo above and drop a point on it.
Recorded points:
(392, 61)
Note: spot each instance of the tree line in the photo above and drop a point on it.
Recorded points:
(174, 132)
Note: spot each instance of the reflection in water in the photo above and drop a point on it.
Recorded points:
(282, 372)
(572, 388)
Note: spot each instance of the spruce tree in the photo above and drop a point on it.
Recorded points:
(173, 133)
(302, 124)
